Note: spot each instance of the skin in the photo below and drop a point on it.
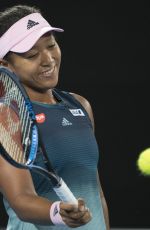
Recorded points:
(32, 68)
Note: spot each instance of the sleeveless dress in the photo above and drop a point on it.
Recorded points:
(73, 151)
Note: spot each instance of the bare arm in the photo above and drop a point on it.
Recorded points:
(88, 108)
(17, 186)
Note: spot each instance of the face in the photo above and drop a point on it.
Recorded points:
(38, 68)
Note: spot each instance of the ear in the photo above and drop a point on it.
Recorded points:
(4, 63)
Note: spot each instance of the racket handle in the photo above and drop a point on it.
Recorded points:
(64, 193)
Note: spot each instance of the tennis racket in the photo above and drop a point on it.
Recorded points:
(19, 134)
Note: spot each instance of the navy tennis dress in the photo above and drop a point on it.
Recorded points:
(72, 149)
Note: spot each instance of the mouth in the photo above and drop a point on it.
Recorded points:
(47, 73)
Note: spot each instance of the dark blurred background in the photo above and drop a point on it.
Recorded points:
(105, 58)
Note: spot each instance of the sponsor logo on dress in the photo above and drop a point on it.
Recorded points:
(40, 118)
(65, 122)
(77, 112)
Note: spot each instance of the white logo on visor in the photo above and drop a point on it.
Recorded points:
(77, 112)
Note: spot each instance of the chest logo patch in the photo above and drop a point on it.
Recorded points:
(77, 112)
(40, 118)
(65, 122)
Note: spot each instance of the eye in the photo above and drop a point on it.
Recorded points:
(30, 56)
(51, 45)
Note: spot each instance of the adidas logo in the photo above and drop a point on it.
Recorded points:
(31, 24)
(65, 122)
(55, 211)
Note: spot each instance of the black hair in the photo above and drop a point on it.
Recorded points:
(11, 15)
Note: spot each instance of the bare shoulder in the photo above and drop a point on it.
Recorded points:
(86, 104)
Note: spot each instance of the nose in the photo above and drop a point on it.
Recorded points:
(47, 58)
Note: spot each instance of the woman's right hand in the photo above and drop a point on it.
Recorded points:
(75, 216)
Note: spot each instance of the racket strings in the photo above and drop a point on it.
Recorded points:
(10, 145)
(15, 122)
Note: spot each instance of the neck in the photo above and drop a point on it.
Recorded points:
(43, 97)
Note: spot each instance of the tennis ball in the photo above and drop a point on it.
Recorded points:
(143, 162)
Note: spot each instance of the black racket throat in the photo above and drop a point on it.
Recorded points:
(49, 174)
(54, 179)
(44, 152)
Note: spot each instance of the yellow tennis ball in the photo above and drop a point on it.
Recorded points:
(143, 162)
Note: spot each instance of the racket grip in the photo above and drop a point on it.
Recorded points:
(64, 193)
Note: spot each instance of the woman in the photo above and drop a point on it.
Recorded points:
(29, 49)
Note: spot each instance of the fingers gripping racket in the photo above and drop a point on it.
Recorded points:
(19, 134)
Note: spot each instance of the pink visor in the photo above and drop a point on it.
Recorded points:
(23, 35)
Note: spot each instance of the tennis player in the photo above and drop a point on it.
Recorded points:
(28, 48)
